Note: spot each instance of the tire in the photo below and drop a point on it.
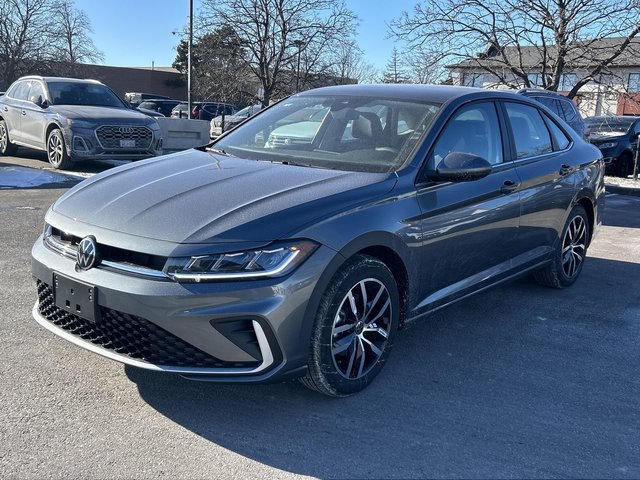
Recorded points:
(569, 257)
(6, 147)
(57, 151)
(624, 165)
(354, 328)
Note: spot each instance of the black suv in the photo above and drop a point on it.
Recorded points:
(561, 106)
(617, 139)
(160, 105)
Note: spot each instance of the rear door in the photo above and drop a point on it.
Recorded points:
(541, 153)
(12, 109)
(467, 228)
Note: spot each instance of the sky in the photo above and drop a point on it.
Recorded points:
(135, 33)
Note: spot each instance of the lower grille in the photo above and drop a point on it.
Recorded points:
(110, 136)
(130, 335)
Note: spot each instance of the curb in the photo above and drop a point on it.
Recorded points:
(635, 192)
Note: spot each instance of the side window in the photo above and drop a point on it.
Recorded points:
(552, 104)
(560, 138)
(530, 134)
(570, 112)
(473, 129)
(21, 92)
(35, 92)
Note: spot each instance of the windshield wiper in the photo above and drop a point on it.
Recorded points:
(219, 151)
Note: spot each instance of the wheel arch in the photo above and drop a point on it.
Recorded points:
(587, 202)
(384, 246)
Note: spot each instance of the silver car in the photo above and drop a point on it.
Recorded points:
(74, 120)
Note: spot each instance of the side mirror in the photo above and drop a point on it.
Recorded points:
(39, 101)
(463, 167)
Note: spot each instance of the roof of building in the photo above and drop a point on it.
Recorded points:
(581, 54)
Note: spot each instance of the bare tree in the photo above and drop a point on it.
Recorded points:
(73, 44)
(282, 36)
(26, 28)
(42, 36)
(349, 65)
(506, 37)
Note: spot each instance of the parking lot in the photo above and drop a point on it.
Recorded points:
(520, 381)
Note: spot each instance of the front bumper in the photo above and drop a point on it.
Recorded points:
(83, 144)
(249, 331)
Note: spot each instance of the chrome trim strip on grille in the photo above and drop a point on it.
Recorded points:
(263, 344)
(70, 253)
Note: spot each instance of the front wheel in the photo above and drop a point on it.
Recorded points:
(354, 328)
(569, 257)
(624, 166)
(6, 147)
(57, 151)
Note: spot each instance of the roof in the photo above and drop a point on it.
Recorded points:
(430, 93)
(58, 79)
(581, 54)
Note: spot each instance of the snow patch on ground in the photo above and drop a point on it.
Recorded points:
(23, 177)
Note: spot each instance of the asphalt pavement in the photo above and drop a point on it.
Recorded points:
(519, 381)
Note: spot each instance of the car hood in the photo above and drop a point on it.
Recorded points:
(99, 114)
(199, 197)
(605, 136)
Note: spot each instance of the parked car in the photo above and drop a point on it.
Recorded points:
(560, 105)
(134, 99)
(150, 113)
(202, 110)
(617, 139)
(161, 106)
(74, 120)
(250, 262)
(231, 121)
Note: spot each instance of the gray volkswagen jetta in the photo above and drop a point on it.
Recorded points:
(260, 258)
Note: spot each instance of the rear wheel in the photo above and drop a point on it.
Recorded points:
(6, 147)
(570, 254)
(57, 151)
(354, 329)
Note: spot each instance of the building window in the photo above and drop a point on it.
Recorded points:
(634, 82)
(473, 79)
(567, 81)
(535, 79)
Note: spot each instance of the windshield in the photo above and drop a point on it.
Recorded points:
(76, 93)
(621, 125)
(362, 134)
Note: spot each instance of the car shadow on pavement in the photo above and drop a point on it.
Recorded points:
(520, 380)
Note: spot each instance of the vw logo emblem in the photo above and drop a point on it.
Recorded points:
(87, 253)
(126, 130)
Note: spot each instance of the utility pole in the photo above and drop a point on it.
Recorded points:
(299, 44)
(189, 49)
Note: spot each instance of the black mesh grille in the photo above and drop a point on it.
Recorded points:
(110, 136)
(130, 335)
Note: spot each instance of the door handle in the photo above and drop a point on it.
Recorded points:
(6, 109)
(565, 170)
(23, 112)
(509, 186)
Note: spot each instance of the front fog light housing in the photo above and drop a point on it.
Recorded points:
(273, 261)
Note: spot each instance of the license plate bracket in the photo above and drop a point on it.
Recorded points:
(77, 298)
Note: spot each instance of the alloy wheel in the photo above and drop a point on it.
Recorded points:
(361, 328)
(3, 138)
(574, 246)
(55, 149)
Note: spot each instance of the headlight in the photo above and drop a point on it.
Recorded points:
(72, 122)
(608, 145)
(273, 261)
